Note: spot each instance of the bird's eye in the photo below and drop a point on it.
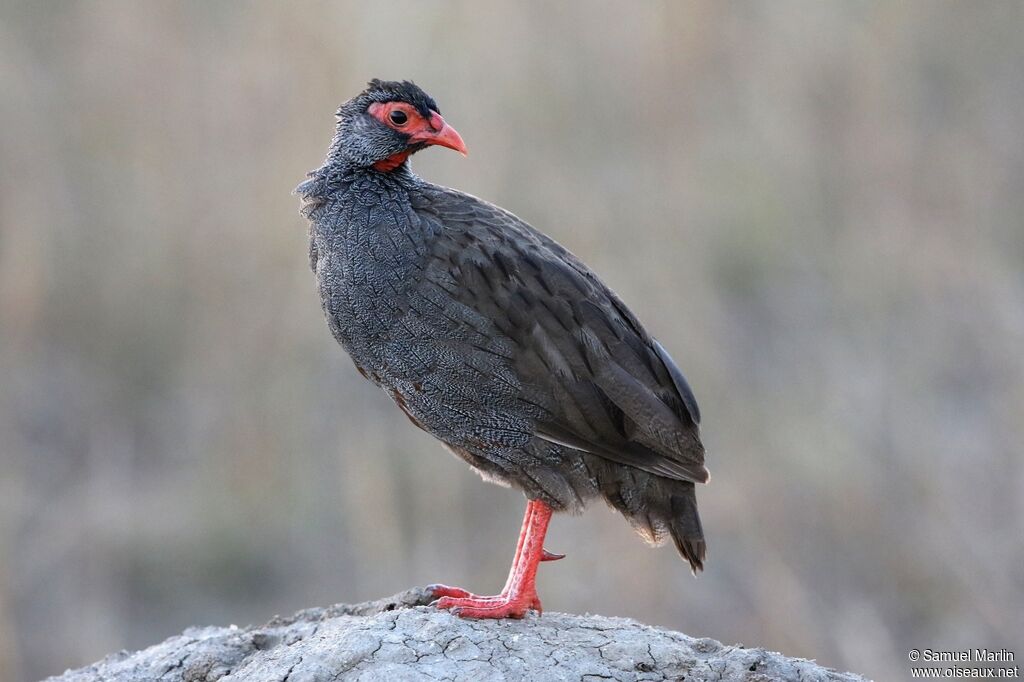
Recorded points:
(398, 117)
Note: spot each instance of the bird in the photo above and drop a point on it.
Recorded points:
(497, 341)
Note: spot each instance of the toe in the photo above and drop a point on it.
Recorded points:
(438, 590)
(446, 603)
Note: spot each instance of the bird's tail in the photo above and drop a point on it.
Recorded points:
(684, 525)
(657, 507)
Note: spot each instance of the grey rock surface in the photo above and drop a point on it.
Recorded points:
(400, 638)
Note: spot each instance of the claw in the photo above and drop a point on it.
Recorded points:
(550, 556)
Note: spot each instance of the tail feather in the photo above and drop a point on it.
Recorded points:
(657, 507)
(685, 528)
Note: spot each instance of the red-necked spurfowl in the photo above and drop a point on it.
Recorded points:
(497, 341)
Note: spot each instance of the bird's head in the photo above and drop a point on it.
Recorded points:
(389, 121)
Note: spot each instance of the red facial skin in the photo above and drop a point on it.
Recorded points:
(520, 592)
(429, 131)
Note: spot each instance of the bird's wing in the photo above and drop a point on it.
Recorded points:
(597, 380)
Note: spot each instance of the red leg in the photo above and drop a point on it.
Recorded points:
(459, 593)
(520, 593)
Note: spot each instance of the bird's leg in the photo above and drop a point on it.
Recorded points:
(457, 592)
(523, 530)
(440, 591)
(520, 592)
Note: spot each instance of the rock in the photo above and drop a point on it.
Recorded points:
(400, 638)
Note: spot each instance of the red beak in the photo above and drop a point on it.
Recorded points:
(440, 134)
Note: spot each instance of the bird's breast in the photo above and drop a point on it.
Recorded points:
(368, 258)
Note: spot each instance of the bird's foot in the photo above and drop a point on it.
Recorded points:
(520, 593)
(447, 591)
(440, 591)
(468, 605)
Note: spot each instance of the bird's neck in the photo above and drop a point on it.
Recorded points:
(333, 180)
(394, 162)
(340, 158)
(392, 171)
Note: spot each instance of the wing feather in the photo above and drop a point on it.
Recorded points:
(593, 377)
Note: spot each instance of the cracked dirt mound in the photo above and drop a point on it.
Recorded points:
(400, 638)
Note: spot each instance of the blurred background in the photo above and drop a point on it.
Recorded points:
(817, 207)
